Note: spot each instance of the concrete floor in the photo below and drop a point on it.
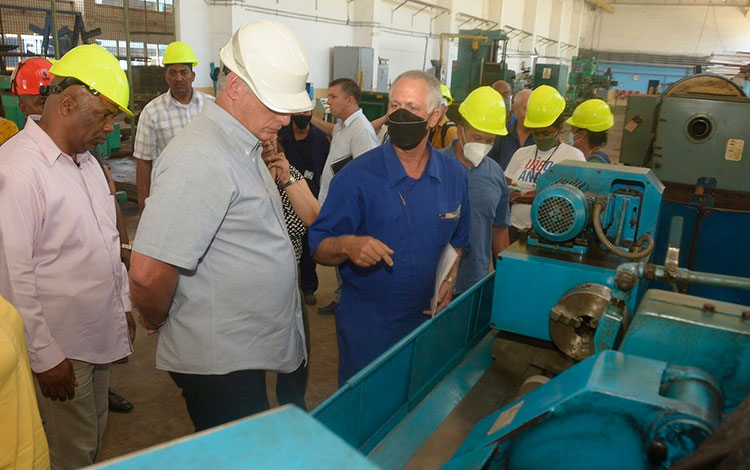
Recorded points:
(160, 414)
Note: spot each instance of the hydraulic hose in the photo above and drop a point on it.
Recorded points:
(598, 207)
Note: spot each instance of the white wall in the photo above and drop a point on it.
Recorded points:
(317, 44)
(401, 36)
(673, 29)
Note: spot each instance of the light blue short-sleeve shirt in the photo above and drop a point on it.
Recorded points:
(489, 196)
(215, 213)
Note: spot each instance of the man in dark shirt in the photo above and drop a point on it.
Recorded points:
(518, 135)
(306, 148)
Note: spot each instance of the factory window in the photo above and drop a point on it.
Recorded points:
(108, 44)
(11, 40)
(152, 52)
(153, 5)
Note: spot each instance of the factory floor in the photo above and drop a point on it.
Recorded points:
(160, 415)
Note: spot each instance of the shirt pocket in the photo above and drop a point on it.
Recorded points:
(447, 222)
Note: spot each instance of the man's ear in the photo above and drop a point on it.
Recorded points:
(434, 118)
(234, 86)
(67, 104)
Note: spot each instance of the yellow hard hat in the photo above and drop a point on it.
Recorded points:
(446, 92)
(97, 69)
(484, 110)
(179, 52)
(545, 105)
(593, 115)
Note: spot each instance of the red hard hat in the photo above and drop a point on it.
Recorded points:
(29, 75)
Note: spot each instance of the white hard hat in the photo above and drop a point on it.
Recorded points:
(270, 59)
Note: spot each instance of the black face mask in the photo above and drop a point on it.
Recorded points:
(406, 129)
(302, 120)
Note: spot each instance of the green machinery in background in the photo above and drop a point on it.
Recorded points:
(585, 82)
(699, 127)
(554, 75)
(481, 60)
(695, 137)
(12, 112)
(374, 104)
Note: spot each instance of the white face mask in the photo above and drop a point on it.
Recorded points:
(476, 151)
(572, 141)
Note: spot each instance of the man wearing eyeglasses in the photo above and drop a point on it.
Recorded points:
(166, 114)
(61, 248)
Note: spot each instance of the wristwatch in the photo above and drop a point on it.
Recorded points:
(291, 181)
(126, 246)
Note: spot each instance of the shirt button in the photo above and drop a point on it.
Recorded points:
(247, 152)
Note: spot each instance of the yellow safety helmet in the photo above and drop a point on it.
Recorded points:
(179, 52)
(484, 110)
(446, 92)
(545, 105)
(593, 115)
(97, 69)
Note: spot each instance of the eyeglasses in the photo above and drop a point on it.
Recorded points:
(46, 90)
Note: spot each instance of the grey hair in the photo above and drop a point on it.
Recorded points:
(221, 79)
(434, 96)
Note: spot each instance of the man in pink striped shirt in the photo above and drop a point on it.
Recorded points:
(62, 250)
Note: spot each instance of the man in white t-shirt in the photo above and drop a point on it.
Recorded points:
(544, 116)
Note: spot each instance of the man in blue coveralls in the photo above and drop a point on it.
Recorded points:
(388, 218)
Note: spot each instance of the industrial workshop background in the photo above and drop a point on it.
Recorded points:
(136, 31)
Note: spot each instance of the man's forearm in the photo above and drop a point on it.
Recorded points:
(324, 126)
(500, 241)
(143, 181)
(152, 287)
(332, 251)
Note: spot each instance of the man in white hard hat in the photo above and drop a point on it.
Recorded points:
(167, 114)
(212, 266)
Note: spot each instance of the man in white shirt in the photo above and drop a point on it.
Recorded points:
(352, 135)
(544, 116)
(166, 114)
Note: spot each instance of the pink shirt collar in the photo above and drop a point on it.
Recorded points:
(47, 146)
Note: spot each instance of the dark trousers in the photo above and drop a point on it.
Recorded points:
(308, 275)
(217, 399)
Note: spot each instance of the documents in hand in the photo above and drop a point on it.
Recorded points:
(447, 258)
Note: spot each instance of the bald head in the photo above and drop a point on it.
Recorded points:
(520, 99)
(503, 87)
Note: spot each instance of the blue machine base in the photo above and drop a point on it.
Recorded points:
(529, 282)
(285, 438)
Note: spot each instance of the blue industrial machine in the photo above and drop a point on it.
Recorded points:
(610, 411)
(587, 218)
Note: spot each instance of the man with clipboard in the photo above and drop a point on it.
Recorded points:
(389, 217)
